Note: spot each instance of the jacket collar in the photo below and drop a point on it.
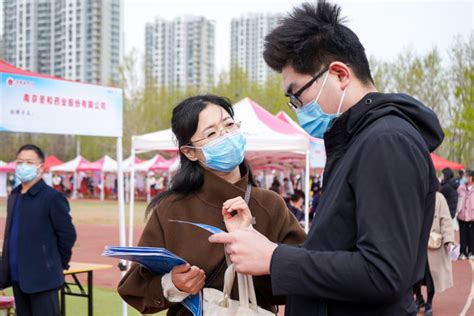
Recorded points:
(34, 190)
(216, 190)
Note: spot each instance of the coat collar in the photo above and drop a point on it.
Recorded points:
(34, 190)
(216, 190)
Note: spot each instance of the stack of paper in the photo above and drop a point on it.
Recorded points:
(157, 261)
(161, 261)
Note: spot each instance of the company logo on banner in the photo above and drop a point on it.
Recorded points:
(54, 106)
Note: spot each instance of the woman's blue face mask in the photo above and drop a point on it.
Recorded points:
(225, 153)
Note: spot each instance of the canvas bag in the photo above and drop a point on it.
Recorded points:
(217, 303)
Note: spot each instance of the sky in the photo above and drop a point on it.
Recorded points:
(385, 28)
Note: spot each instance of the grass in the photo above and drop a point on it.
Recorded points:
(96, 212)
(106, 303)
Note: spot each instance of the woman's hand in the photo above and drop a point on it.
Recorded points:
(188, 279)
(236, 214)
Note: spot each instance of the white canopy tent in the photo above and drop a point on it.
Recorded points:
(264, 133)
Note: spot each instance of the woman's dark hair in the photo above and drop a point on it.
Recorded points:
(184, 123)
(470, 173)
(312, 37)
(275, 183)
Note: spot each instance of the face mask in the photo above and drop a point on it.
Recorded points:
(463, 180)
(312, 117)
(225, 153)
(26, 172)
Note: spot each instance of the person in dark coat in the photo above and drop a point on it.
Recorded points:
(39, 236)
(449, 187)
(295, 205)
(367, 246)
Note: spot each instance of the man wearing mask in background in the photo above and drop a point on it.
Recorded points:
(39, 236)
(367, 246)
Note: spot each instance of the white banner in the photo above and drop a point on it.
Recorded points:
(55, 106)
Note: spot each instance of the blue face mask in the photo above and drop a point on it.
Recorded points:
(225, 153)
(26, 172)
(312, 117)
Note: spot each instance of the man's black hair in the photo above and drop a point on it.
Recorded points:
(34, 148)
(313, 36)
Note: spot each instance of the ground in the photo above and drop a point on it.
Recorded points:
(97, 226)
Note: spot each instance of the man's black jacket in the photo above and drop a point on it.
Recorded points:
(368, 243)
(45, 239)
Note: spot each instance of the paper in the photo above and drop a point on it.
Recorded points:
(209, 228)
(161, 261)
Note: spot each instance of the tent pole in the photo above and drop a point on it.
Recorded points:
(75, 185)
(131, 211)
(306, 201)
(121, 206)
(102, 186)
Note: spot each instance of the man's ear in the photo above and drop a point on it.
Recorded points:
(41, 168)
(190, 153)
(343, 73)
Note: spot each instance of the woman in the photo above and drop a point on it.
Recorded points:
(438, 273)
(466, 216)
(212, 180)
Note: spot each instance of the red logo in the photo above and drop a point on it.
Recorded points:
(19, 82)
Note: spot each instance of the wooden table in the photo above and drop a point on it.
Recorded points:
(75, 269)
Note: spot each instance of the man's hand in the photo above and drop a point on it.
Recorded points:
(249, 251)
(236, 214)
(188, 279)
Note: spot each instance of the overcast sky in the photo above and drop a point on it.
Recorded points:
(385, 28)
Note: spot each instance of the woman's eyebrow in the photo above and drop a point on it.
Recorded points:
(213, 125)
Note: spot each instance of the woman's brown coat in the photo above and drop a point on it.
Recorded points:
(142, 290)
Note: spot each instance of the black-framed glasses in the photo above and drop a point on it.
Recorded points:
(294, 101)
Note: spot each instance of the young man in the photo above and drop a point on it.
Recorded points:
(367, 246)
(39, 236)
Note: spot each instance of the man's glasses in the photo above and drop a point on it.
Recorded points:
(294, 101)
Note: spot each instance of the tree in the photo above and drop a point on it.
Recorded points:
(460, 132)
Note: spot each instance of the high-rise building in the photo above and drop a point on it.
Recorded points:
(180, 53)
(247, 43)
(74, 39)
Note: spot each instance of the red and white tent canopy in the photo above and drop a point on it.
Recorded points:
(50, 161)
(104, 164)
(71, 165)
(441, 163)
(8, 167)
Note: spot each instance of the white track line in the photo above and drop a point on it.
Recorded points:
(471, 295)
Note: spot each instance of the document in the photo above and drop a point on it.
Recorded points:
(161, 261)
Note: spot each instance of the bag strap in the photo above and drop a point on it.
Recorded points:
(248, 191)
(245, 285)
